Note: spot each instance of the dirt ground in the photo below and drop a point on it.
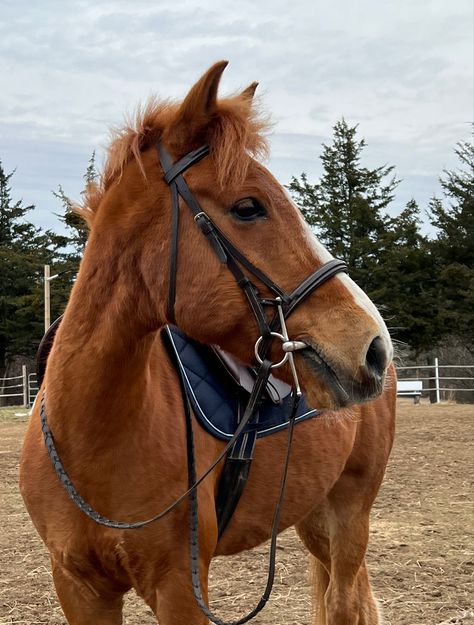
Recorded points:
(421, 553)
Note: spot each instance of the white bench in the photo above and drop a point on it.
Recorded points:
(410, 388)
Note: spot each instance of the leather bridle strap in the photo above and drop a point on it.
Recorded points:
(313, 282)
(173, 175)
(296, 297)
(184, 163)
(173, 266)
(228, 253)
(235, 254)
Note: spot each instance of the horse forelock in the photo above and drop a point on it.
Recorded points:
(236, 132)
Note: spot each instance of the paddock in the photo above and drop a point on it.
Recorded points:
(421, 553)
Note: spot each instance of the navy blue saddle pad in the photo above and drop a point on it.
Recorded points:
(217, 398)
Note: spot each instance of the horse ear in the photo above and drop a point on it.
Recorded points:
(249, 92)
(200, 104)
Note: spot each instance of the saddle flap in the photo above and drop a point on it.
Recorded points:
(235, 368)
(245, 376)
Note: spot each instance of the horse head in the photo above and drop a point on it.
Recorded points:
(347, 348)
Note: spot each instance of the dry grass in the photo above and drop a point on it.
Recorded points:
(13, 414)
(421, 552)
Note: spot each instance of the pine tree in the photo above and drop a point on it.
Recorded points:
(77, 239)
(407, 282)
(345, 206)
(24, 249)
(453, 247)
(74, 223)
(387, 256)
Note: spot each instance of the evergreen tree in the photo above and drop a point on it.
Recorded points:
(77, 239)
(388, 257)
(407, 282)
(74, 223)
(345, 206)
(24, 249)
(453, 247)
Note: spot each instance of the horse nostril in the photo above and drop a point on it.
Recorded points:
(376, 357)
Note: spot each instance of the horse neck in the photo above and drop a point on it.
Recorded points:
(97, 370)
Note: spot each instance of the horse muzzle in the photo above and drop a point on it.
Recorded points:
(348, 386)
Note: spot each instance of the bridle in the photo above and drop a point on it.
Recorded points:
(234, 259)
(272, 327)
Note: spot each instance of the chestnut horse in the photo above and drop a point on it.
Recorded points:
(113, 399)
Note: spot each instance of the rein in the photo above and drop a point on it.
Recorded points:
(257, 391)
(282, 305)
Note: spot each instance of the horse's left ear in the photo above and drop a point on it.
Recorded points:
(199, 106)
(249, 92)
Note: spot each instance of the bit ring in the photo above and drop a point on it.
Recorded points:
(276, 364)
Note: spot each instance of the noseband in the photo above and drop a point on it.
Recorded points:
(234, 259)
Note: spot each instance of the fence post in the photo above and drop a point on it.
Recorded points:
(29, 390)
(437, 380)
(431, 381)
(47, 298)
(25, 386)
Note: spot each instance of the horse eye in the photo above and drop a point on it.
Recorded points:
(248, 209)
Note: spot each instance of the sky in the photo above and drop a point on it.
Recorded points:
(401, 69)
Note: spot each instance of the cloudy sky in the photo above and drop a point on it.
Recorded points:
(401, 69)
